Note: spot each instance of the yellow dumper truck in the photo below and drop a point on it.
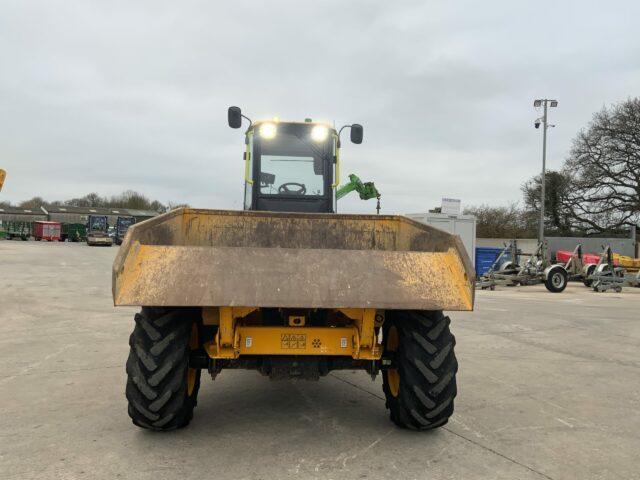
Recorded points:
(290, 288)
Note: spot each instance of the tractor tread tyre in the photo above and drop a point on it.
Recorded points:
(427, 367)
(157, 385)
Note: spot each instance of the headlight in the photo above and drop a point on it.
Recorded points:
(268, 130)
(319, 133)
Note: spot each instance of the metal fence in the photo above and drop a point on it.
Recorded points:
(623, 246)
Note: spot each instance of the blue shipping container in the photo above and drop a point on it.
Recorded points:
(485, 256)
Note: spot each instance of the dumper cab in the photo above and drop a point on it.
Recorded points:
(122, 225)
(98, 231)
(291, 166)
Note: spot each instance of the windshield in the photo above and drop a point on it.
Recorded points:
(97, 223)
(293, 164)
(124, 223)
(290, 175)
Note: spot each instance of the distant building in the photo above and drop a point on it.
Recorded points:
(21, 214)
(68, 214)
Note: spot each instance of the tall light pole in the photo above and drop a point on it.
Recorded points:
(545, 102)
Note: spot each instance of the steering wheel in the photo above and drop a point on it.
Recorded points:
(285, 190)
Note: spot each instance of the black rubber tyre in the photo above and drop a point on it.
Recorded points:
(161, 388)
(557, 280)
(426, 366)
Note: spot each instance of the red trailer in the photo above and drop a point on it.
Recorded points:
(50, 231)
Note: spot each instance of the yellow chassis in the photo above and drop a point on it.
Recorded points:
(238, 335)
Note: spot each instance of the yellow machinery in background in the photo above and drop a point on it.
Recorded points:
(3, 175)
(626, 262)
(290, 288)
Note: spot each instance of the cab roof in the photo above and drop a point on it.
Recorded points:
(284, 122)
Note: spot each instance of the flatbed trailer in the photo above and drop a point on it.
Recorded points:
(578, 269)
(507, 271)
(608, 276)
(18, 229)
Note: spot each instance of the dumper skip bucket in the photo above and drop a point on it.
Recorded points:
(191, 257)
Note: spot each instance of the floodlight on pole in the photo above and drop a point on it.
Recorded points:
(546, 103)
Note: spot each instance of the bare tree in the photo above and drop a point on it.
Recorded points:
(604, 166)
(35, 202)
(130, 199)
(156, 206)
(558, 219)
(127, 199)
(90, 200)
(501, 222)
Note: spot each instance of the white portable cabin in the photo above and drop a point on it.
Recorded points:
(462, 225)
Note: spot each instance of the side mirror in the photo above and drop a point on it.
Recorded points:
(234, 117)
(356, 133)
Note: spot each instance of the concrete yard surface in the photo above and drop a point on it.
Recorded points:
(548, 388)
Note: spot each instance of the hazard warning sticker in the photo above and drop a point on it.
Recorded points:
(293, 341)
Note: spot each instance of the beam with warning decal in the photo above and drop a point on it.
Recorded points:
(252, 340)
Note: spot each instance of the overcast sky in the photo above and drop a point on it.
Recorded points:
(103, 96)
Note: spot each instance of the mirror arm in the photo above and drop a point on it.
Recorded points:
(249, 120)
(342, 128)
